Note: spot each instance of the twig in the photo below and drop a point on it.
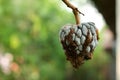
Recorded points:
(75, 11)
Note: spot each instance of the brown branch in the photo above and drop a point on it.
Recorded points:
(75, 11)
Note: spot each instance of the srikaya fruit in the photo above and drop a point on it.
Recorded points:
(79, 42)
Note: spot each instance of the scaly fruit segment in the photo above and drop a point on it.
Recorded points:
(79, 42)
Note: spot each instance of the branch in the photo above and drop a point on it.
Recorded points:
(75, 11)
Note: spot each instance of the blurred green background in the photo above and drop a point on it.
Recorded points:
(30, 48)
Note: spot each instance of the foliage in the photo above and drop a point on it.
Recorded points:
(29, 32)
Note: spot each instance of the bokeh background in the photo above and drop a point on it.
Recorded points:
(29, 42)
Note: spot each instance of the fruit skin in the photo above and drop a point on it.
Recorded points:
(79, 42)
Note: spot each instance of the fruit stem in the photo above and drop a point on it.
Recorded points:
(76, 12)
